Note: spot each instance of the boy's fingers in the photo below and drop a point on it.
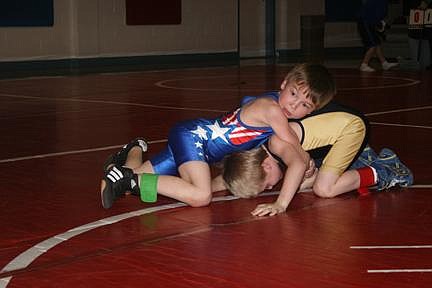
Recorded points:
(267, 209)
(263, 212)
(260, 211)
(260, 214)
(256, 212)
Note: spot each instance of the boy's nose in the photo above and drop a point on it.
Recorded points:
(294, 104)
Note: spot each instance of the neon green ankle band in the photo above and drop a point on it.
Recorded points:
(148, 187)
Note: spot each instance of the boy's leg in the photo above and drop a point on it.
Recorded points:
(384, 171)
(360, 176)
(116, 182)
(122, 156)
(329, 184)
(193, 187)
(135, 158)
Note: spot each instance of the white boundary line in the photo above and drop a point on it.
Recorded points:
(401, 125)
(393, 247)
(400, 271)
(399, 110)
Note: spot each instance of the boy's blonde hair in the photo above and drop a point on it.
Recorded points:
(243, 173)
(319, 80)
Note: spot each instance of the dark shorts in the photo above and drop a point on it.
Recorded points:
(368, 34)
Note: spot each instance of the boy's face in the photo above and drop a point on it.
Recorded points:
(293, 100)
(273, 173)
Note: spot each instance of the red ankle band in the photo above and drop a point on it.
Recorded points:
(367, 178)
(363, 191)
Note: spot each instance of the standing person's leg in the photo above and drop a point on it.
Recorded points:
(366, 59)
(368, 43)
(380, 54)
(385, 65)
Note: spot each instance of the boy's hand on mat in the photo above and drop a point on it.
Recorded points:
(269, 209)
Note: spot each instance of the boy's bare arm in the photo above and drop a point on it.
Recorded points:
(291, 182)
(218, 184)
(279, 123)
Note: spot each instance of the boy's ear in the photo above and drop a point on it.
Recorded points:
(283, 85)
(266, 164)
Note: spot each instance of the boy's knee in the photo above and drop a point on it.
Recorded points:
(323, 191)
(202, 199)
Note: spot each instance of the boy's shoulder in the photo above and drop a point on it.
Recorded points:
(263, 105)
(265, 97)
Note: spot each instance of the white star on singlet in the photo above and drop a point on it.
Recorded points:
(198, 145)
(218, 132)
(200, 132)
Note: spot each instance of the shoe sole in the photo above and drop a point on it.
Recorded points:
(106, 203)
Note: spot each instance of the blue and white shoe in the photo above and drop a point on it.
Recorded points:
(119, 158)
(366, 158)
(401, 174)
(386, 178)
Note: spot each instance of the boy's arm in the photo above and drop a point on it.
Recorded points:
(279, 123)
(292, 179)
(218, 184)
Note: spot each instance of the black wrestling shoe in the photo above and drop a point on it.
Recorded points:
(119, 158)
(118, 180)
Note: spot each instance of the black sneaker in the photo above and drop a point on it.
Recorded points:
(118, 180)
(119, 158)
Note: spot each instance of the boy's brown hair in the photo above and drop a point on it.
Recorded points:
(243, 173)
(322, 87)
